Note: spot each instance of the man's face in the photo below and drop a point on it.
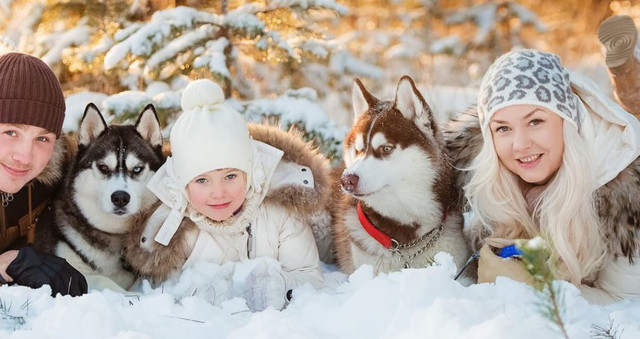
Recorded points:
(25, 151)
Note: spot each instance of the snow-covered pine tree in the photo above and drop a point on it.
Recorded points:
(499, 25)
(253, 49)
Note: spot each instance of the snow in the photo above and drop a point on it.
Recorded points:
(213, 57)
(306, 4)
(296, 106)
(245, 22)
(76, 36)
(143, 41)
(319, 48)
(413, 303)
(488, 16)
(175, 46)
(343, 62)
(527, 16)
(126, 102)
(6, 45)
(5, 5)
(536, 243)
(446, 44)
(76, 104)
(20, 22)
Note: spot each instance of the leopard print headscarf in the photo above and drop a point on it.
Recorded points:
(528, 77)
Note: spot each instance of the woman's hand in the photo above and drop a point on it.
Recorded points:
(491, 265)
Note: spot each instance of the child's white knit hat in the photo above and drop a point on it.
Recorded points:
(208, 135)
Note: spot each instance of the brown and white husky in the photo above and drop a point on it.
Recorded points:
(396, 205)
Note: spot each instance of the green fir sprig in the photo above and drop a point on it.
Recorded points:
(535, 258)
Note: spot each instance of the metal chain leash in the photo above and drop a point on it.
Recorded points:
(408, 259)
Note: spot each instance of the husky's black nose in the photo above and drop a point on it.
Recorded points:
(349, 182)
(120, 198)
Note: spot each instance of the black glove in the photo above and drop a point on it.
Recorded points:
(34, 269)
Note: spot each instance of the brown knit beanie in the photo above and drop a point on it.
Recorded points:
(30, 93)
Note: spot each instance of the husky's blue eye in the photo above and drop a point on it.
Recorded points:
(137, 169)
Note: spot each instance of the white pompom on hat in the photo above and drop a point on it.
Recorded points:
(201, 93)
(209, 135)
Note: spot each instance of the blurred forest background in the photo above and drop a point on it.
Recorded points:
(292, 61)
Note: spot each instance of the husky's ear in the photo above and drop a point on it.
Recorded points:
(148, 126)
(411, 103)
(362, 99)
(91, 125)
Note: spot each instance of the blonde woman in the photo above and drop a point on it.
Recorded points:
(556, 159)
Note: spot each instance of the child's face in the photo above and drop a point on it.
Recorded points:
(219, 193)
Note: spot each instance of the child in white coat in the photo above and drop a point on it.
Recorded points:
(227, 198)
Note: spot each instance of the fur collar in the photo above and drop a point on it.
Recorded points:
(297, 199)
(53, 172)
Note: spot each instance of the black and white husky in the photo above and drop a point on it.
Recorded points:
(104, 187)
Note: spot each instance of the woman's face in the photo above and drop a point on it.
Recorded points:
(529, 141)
(219, 193)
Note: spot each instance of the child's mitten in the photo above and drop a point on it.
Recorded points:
(265, 287)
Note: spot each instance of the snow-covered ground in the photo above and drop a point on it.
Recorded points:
(414, 303)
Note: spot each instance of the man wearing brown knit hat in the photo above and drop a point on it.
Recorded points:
(31, 155)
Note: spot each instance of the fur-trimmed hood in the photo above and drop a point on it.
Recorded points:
(53, 172)
(297, 197)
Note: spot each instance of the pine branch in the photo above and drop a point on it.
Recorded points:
(535, 257)
(609, 332)
(16, 321)
(554, 297)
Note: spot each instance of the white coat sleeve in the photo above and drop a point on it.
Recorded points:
(616, 281)
(298, 254)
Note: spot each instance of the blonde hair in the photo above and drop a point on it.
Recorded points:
(564, 214)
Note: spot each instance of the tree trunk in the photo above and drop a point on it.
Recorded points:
(227, 88)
